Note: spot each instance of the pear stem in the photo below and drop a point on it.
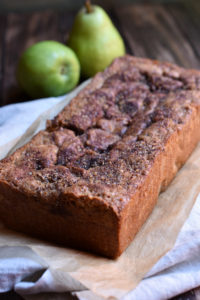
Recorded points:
(88, 6)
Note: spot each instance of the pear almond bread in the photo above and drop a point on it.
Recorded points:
(93, 176)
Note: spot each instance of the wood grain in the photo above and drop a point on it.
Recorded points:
(152, 31)
(3, 20)
(159, 31)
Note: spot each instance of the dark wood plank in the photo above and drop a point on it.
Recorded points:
(10, 296)
(2, 52)
(190, 295)
(188, 21)
(23, 31)
(151, 31)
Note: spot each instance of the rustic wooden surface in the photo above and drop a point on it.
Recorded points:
(160, 31)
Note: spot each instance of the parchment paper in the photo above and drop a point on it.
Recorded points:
(79, 271)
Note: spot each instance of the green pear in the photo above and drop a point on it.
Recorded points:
(94, 39)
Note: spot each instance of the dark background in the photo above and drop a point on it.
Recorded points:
(165, 30)
(28, 5)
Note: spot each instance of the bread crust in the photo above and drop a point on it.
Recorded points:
(91, 179)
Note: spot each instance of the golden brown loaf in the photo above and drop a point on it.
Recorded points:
(91, 179)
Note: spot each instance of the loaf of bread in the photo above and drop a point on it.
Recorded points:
(91, 179)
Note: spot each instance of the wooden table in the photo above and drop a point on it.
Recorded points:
(160, 31)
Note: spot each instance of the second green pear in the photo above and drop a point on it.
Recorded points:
(95, 40)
